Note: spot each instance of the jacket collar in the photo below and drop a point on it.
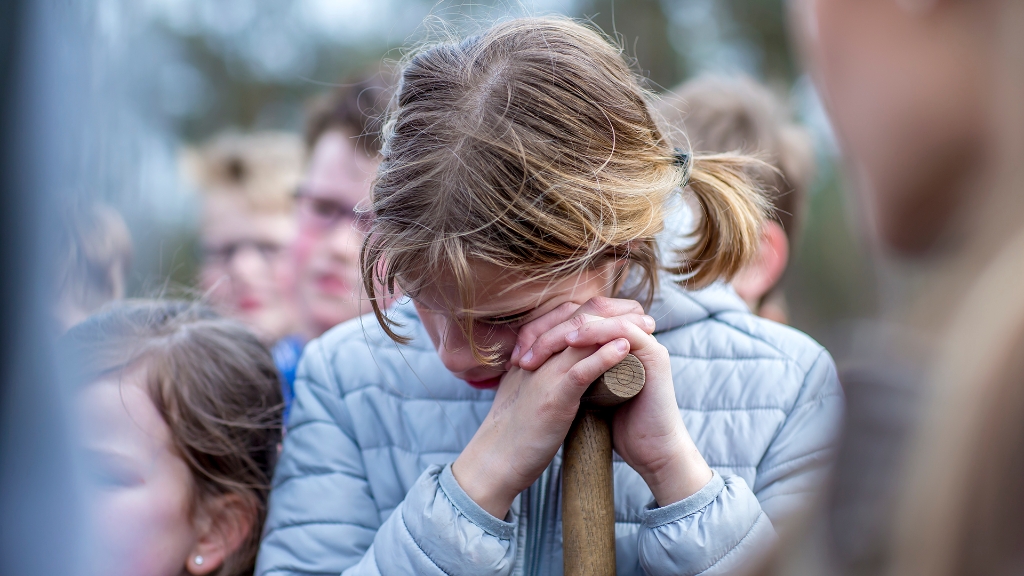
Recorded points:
(673, 306)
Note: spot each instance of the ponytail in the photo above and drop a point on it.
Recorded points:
(729, 233)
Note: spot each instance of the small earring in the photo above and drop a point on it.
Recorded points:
(198, 560)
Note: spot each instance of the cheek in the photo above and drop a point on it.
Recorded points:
(216, 286)
(503, 337)
(303, 248)
(285, 276)
(143, 531)
(210, 277)
(434, 324)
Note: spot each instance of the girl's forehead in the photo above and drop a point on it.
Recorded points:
(119, 412)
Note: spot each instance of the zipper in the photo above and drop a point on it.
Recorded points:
(537, 521)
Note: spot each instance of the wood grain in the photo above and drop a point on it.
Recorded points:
(588, 499)
(617, 385)
(588, 537)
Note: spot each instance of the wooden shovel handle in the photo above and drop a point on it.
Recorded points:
(588, 503)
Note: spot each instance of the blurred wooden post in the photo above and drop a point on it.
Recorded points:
(588, 504)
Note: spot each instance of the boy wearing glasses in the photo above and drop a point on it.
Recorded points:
(342, 141)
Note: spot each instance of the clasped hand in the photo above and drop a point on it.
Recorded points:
(556, 357)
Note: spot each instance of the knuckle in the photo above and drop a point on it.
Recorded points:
(566, 309)
(602, 305)
(542, 342)
(576, 376)
(578, 320)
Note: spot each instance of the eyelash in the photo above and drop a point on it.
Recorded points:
(513, 321)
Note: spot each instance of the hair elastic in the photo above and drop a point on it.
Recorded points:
(682, 159)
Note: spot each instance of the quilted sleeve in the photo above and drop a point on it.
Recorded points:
(727, 523)
(323, 518)
(798, 460)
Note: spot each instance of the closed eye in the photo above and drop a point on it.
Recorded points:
(508, 319)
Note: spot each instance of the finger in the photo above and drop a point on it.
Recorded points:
(610, 307)
(554, 340)
(585, 371)
(599, 332)
(600, 306)
(529, 332)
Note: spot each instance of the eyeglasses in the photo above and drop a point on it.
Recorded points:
(221, 255)
(324, 213)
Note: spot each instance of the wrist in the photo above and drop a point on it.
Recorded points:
(678, 476)
(481, 479)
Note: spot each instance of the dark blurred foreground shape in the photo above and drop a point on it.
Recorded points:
(41, 47)
(926, 97)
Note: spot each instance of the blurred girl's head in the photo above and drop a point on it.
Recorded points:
(910, 88)
(181, 412)
(524, 167)
(247, 183)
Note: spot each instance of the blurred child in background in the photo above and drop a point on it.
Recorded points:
(94, 250)
(343, 144)
(247, 183)
(181, 415)
(736, 114)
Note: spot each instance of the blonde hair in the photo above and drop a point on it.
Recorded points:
(532, 147)
(263, 168)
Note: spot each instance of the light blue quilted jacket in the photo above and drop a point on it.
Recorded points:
(364, 484)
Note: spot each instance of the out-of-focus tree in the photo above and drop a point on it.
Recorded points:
(642, 28)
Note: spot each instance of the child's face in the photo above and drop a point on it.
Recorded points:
(246, 270)
(499, 312)
(326, 250)
(143, 492)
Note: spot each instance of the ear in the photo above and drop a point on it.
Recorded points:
(223, 524)
(762, 273)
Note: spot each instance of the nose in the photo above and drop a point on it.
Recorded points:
(455, 351)
(246, 265)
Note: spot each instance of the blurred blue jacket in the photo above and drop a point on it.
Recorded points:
(364, 484)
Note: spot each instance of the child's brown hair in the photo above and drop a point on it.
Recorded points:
(532, 147)
(213, 383)
(356, 107)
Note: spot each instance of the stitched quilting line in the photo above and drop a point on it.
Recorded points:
(321, 523)
(420, 547)
(736, 547)
(808, 456)
(318, 474)
(766, 342)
